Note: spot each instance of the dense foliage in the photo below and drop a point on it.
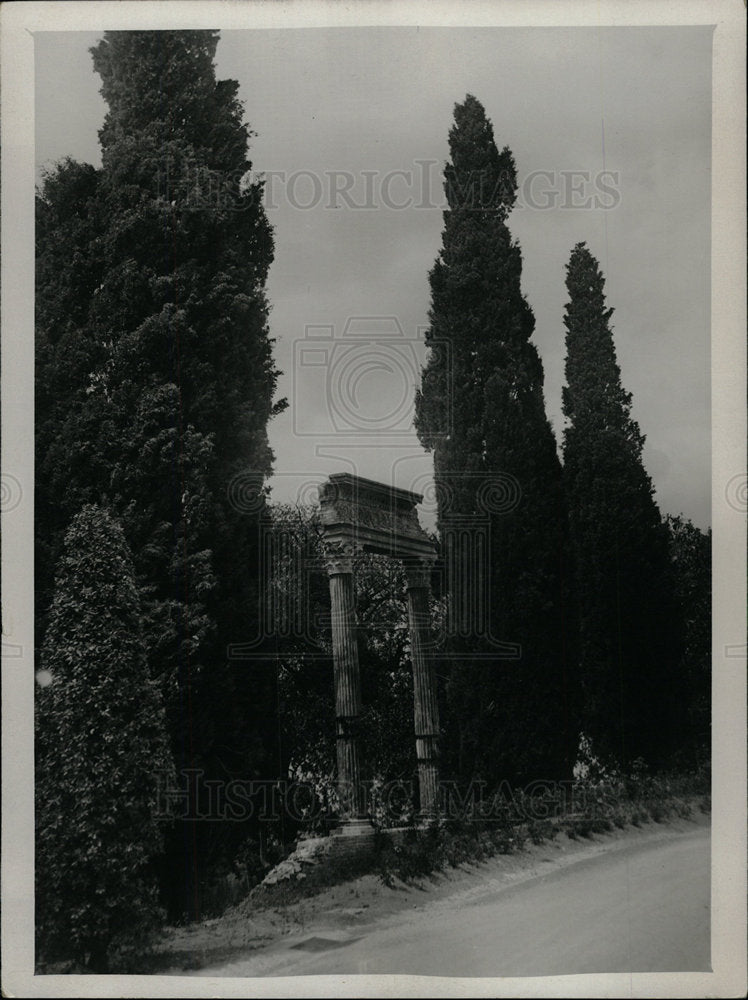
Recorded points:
(630, 631)
(155, 382)
(298, 592)
(691, 560)
(499, 487)
(102, 756)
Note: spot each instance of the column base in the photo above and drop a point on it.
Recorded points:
(353, 828)
(424, 821)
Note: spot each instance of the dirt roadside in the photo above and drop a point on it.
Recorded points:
(259, 936)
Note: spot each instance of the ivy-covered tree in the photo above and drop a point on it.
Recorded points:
(633, 697)
(155, 384)
(102, 756)
(501, 516)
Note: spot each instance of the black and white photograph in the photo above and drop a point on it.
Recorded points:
(373, 499)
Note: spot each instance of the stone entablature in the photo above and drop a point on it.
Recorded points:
(372, 517)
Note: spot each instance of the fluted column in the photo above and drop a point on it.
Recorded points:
(425, 704)
(347, 684)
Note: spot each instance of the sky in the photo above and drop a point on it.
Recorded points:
(611, 132)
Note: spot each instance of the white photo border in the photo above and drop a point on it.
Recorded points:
(19, 22)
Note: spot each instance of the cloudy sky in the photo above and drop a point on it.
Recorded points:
(611, 132)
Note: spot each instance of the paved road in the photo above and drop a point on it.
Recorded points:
(644, 908)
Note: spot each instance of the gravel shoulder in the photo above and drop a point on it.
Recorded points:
(262, 942)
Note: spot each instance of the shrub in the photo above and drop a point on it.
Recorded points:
(657, 811)
(101, 750)
(584, 827)
(420, 853)
(540, 829)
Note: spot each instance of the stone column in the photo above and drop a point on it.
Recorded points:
(425, 704)
(347, 684)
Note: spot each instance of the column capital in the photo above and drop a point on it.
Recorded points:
(418, 574)
(339, 559)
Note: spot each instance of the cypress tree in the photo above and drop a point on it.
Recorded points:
(102, 755)
(629, 633)
(691, 560)
(156, 383)
(498, 478)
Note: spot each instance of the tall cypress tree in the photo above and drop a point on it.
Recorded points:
(499, 488)
(628, 622)
(156, 377)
